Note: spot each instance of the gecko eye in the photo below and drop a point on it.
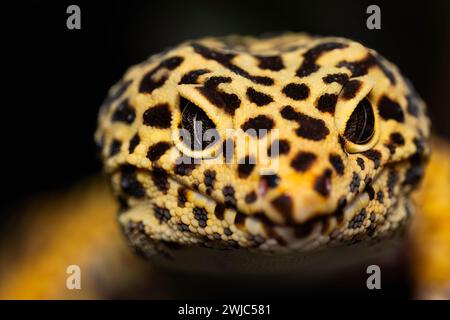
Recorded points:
(356, 119)
(360, 126)
(201, 129)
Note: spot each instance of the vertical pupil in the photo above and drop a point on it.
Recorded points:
(360, 125)
(196, 122)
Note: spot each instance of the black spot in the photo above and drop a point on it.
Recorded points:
(341, 142)
(149, 83)
(225, 60)
(358, 220)
(258, 126)
(160, 179)
(350, 89)
(327, 102)
(201, 216)
(339, 213)
(184, 166)
(373, 155)
(370, 191)
(310, 57)
(337, 163)
(157, 150)
(124, 113)
(271, 180)
(303, 161)
(182, 197)
(250, 197)
(239, 219)
(229, 102)
(278, 147)
(322, 183)
(192, 76)
(361, 67)
(114, 147)
(129, 183)
(416, 170)
(413, 105)
(360, 162)
(340, 78)
(158, 116)
(209, 178)
(380, 196)
(420, 145)
(123, 204)
(391, 148)
(354, 184)
(229, 198)
(134, 143)
(284, 205)
(219, 211)
(183, 227)
(296, 91)
(397, 138)
(391, 182)
(256, 240)
(274, 63)
(390, 109)
(227, 232)
(258, 98)
(162, 214)
(246, 166)
(310, 128)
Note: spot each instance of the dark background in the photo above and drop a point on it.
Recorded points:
(55, 79)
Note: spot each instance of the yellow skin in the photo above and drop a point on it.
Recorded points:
(329, 189)
(314, 218)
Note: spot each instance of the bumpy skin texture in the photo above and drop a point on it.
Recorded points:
(326, 190)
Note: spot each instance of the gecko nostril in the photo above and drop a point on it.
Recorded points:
(198, 125)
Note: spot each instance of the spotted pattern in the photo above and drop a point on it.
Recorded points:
(258, 126)
(258, 98)
(152, 80)
(389, 109)
(310, 128)
(124, 113)
(227, 101)
(296, 91)
(158, 116)
(287, 92)
(303, 161)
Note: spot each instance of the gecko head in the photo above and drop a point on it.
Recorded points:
(231, 140)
